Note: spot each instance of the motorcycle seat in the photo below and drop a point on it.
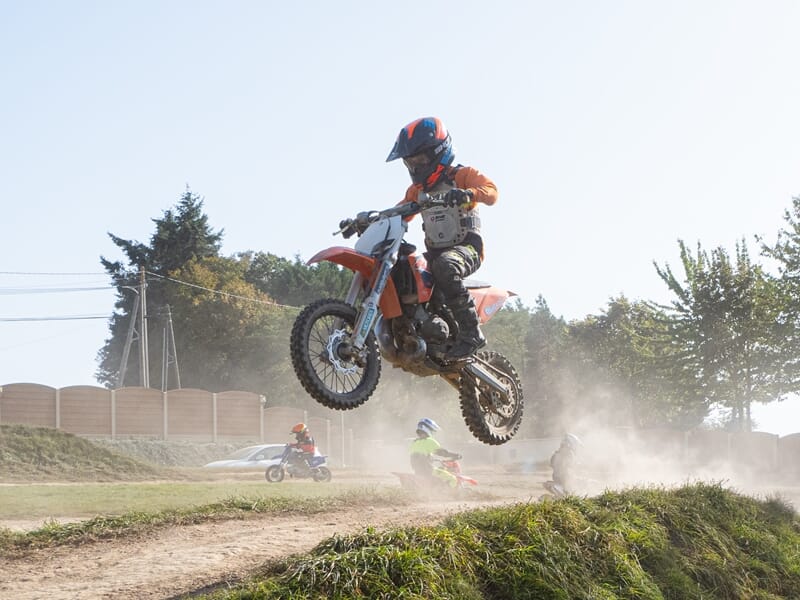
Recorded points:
(474, 284)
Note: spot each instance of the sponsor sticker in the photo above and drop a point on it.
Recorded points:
(367, 321)
(493, 308)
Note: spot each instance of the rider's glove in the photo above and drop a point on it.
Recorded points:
(347, 227)
(364, 218)
(458, 197)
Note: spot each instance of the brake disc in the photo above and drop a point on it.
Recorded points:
(334, 343)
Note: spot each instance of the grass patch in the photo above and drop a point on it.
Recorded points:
(43, 501)
(137, 522)
(45, 454)
(697, 542)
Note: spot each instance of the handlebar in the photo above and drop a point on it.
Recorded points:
(363, 219)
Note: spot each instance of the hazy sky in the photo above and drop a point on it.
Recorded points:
(612, 130)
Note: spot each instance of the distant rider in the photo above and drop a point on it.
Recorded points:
(564, 461)
(304, 442)
(452, 233)
(424, 448)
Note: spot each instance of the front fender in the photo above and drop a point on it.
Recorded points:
(366, 265)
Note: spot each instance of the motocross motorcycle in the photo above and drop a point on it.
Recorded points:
(413, 482)
(393, 312)
(293, 464)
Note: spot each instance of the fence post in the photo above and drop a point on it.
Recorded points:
(165, 412)
(113, 414)
(685, 448)
(262, 402)
(214, 417)
(775, 453)
(58, 408)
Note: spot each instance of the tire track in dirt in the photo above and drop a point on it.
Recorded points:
(180, 559)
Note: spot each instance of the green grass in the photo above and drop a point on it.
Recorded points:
(135, 522)
(35, 502)
(697, 542)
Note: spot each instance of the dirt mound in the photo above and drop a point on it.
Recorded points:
(169, 453)
(45, 454)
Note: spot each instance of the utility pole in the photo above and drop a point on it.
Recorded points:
(144, 355)
(126, 350)
(169, 356)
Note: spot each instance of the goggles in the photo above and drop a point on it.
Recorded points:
(417, 161)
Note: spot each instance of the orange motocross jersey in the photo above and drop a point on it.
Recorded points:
(483, 189)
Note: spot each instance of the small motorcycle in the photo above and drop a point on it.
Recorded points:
(393, 311)
(580, 486)
(413, 482)
(293, 464)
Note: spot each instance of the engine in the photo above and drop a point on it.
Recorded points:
(406, 341)
(434, 330)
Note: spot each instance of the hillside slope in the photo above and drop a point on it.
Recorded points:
(45, 454)
(699, 541)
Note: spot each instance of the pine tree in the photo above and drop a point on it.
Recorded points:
(181, 235)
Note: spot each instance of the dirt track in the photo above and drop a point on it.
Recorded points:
(176, 561)
(179, 560)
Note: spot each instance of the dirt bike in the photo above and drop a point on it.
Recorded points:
(293, 464)
(413, 482)
(393, 311)
(580, 486)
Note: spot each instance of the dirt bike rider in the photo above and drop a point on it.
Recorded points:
(424, 448)
(304, 442)
(563, 461)
(452, 234)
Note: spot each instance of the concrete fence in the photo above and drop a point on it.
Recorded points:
(202, 416)
(176, 415)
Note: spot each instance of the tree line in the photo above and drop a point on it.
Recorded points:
(728, 337)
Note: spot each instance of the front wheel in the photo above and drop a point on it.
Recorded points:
(491, 416)
(322, 474)
(325, 362)
(274, 474)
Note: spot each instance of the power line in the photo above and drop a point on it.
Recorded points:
(219, 293)
(21, 291)
(66, 318)
(45, 273)
(13, 291)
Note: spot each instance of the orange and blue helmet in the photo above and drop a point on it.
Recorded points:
(426, 149)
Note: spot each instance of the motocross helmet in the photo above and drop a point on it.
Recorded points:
(428, 426)
(572, 441)
(426, 149)
(299, 428)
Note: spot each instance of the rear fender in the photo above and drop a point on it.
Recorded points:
(366, 265)
(489, 300)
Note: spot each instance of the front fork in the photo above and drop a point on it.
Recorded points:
(370, 310)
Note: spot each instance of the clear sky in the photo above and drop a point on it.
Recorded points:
(612, 129)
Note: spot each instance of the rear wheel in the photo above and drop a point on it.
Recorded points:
(492, 417)
(274, 474)
(322, 474)
(324, 361)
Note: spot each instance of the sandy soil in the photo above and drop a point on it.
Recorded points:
(179, 560)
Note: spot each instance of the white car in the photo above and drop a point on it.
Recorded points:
(261, 456)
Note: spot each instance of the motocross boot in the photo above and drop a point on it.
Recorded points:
(469, 337)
